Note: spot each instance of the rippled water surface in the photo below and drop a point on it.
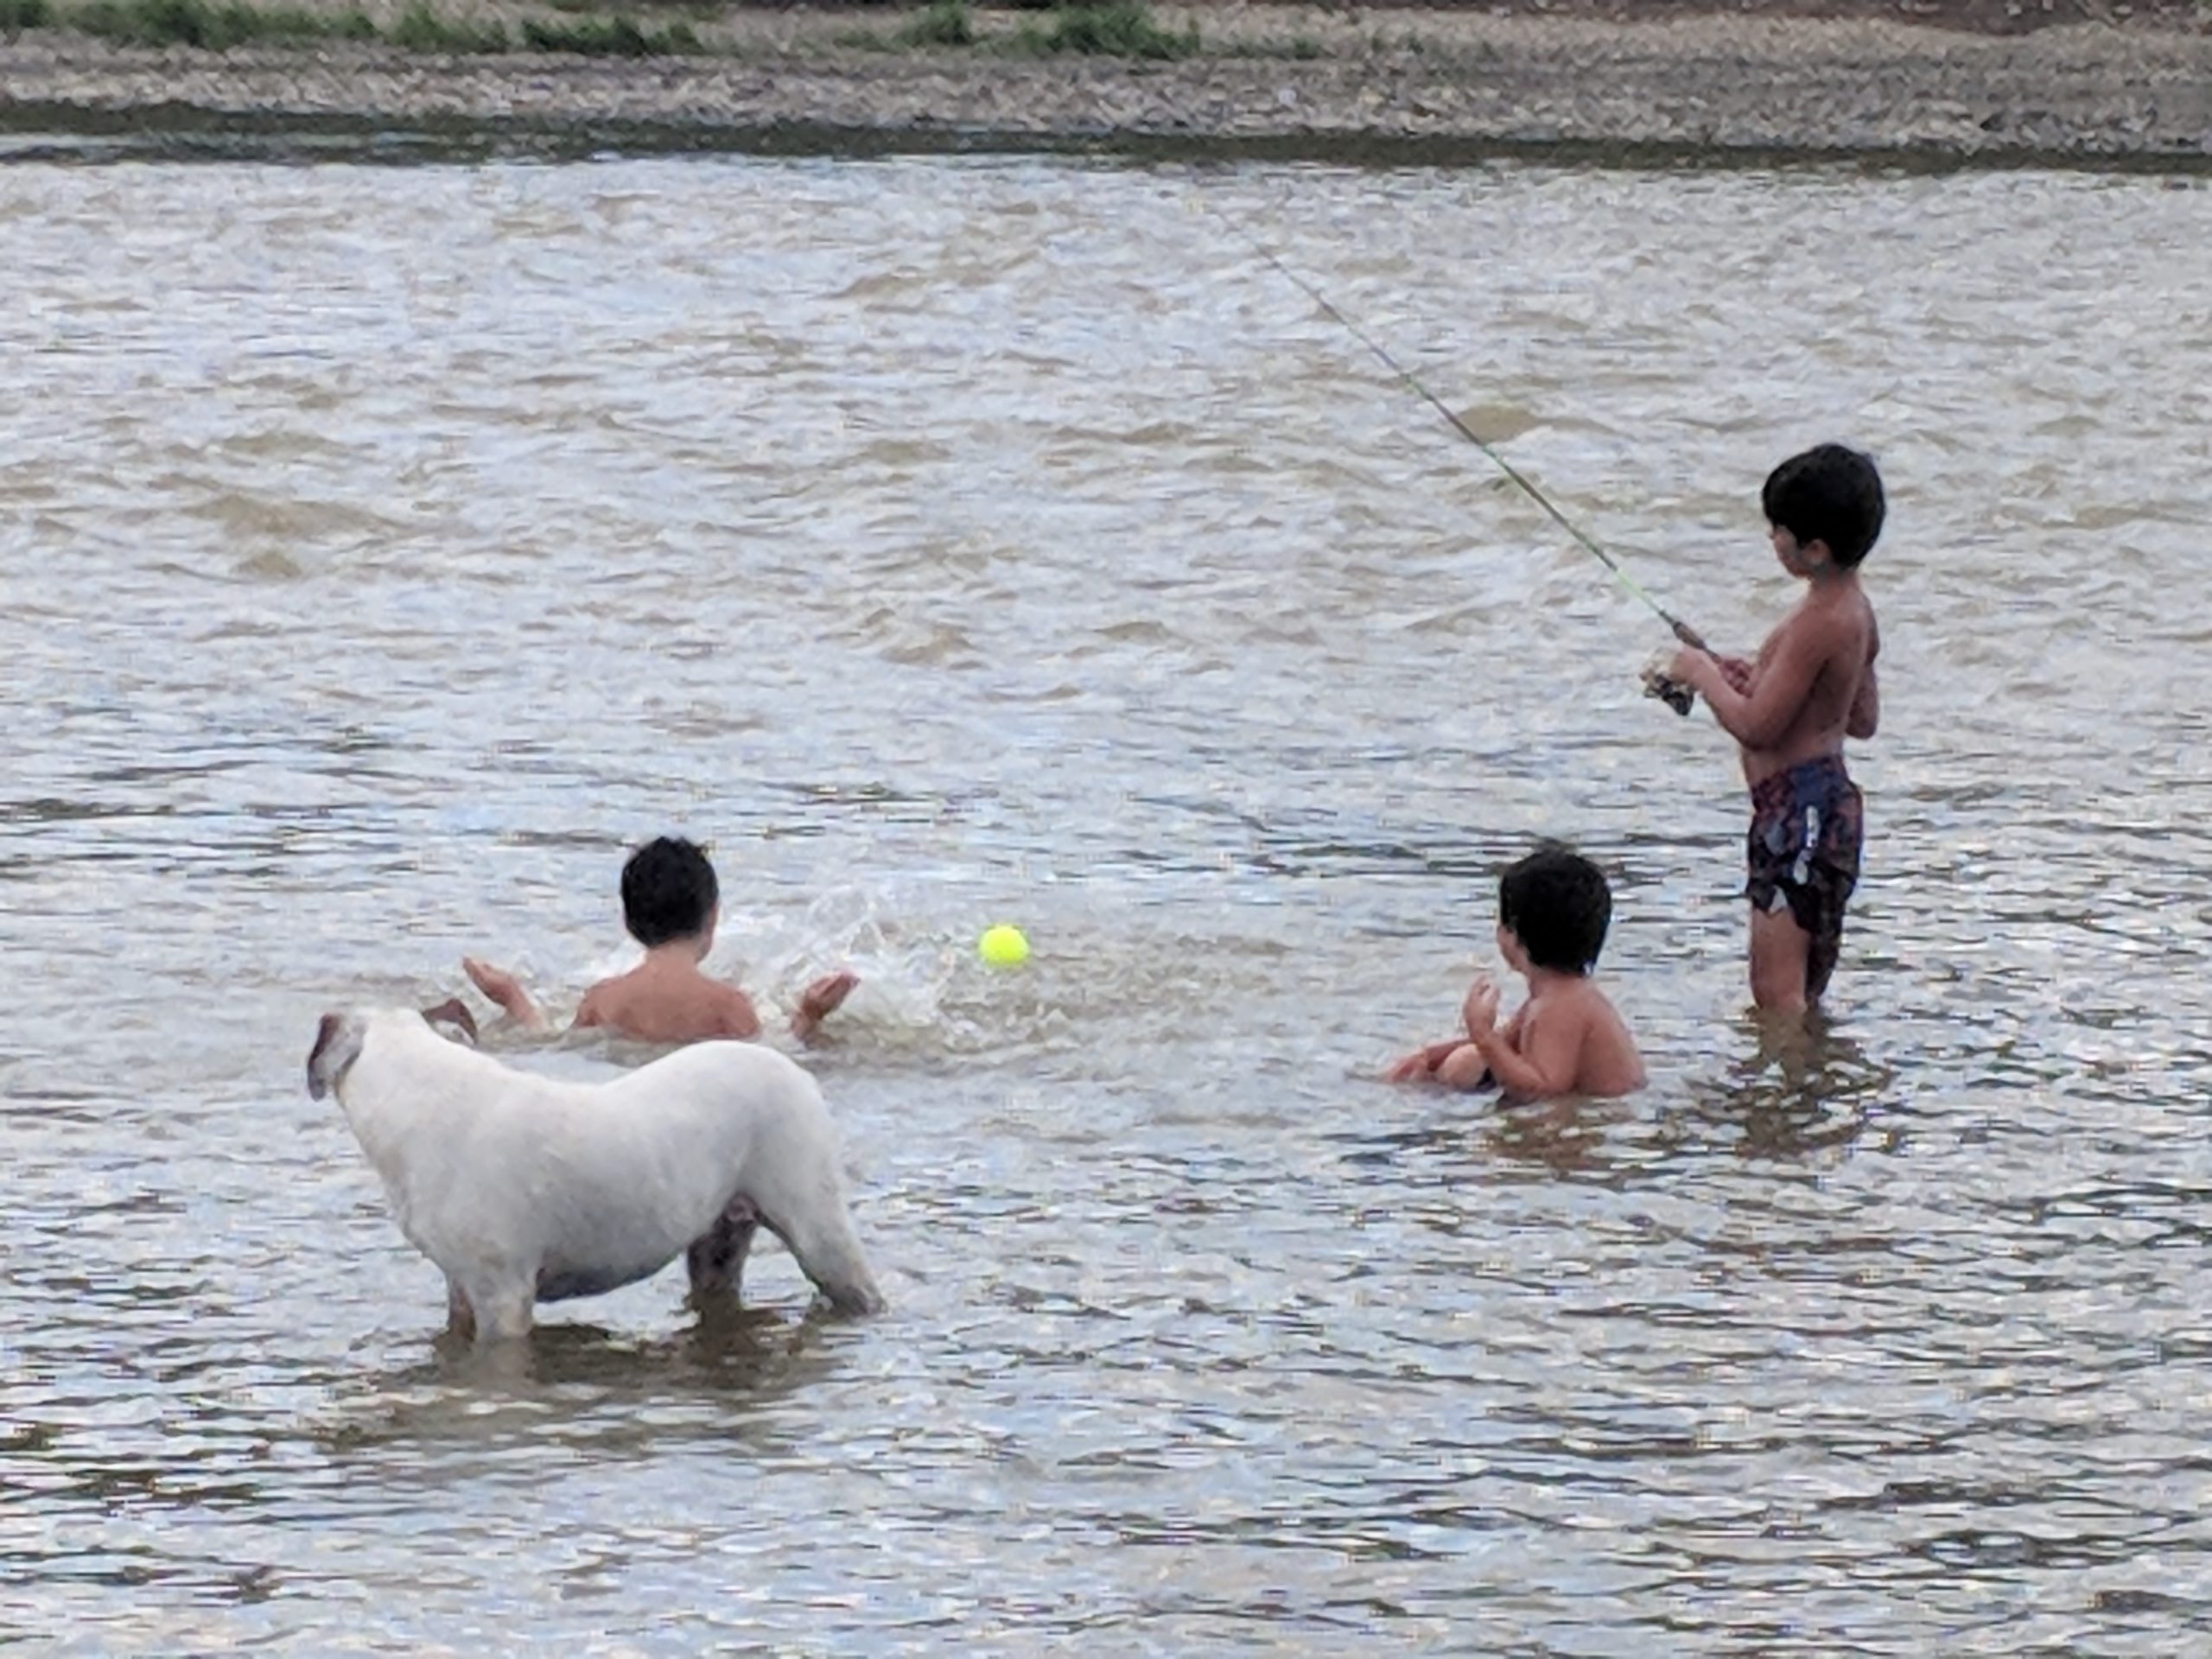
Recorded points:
(946, 541)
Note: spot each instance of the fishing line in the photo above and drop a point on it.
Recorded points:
(1629, 585)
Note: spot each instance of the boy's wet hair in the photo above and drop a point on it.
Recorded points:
(669, 891)
(1828, 494)
(1558, 905)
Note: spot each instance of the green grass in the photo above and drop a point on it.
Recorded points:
(607, 37)
(1299, 48)
(1120, 29)
(192, 23)
(421, 29)
(942, 23)
(700, 8)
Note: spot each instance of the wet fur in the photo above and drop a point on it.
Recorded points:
(524, 1188)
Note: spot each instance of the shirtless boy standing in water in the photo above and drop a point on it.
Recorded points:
(1811, 686)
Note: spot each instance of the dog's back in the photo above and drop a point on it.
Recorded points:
(521, 1185)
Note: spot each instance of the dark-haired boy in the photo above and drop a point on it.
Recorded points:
(671, 902)
(1811, 686)
(1553, 909)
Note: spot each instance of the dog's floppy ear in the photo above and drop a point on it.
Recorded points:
(452, 1019)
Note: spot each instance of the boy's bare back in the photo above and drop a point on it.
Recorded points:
(669, 1001)
(1575, 1040)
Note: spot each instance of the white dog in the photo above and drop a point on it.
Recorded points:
(525, 1189)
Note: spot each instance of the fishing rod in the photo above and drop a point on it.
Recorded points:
(1629, 585)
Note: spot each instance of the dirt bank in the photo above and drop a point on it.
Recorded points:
(2060, 79)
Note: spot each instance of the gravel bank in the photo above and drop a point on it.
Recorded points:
(1280, 80)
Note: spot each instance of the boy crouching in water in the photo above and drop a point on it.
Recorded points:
(671, 902)
(1811, 686)
(1553, 910)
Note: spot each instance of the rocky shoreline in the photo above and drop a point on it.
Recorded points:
(1395, 83)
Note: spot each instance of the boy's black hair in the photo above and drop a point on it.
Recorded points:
(1558, 905)
(1828, 494)
(668, 890)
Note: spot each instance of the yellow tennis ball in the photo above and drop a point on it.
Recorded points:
(1002, 946)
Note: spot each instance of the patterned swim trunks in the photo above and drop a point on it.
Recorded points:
(1807, 826)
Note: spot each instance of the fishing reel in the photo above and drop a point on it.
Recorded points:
(1658, 683)
(1672, 692)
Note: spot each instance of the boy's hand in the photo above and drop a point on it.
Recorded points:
(1737, 672)
(822, 998)
(502, 987)
(1480, 1009)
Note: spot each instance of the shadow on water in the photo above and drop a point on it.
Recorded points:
(584, 1386)
(1805, 1087)
(1475, 1137)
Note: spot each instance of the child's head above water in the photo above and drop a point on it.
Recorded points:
(1556, 905)
(1829, 494)
(669, 891)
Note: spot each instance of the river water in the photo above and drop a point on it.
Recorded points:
(956, 540)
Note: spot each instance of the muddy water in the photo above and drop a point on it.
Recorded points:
(950, 541)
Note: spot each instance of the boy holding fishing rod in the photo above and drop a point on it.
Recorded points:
(1790, 710)
(1811, 686)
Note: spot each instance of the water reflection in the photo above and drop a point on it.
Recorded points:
(1805, 1085)
(1565, 1136)
(589, 1387)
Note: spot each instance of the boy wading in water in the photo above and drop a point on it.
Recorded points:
(1811, 686)
(1553, 909)
(671, 902)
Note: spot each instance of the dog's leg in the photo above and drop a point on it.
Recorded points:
(503, 1309)
(717, 1258)
(461, 1318)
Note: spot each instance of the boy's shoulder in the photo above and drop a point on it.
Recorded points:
(1824, 623)
(1576, 1001)
(1582, 1005)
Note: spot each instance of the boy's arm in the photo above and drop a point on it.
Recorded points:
(1760, 717)
(1865, 708)
(504, 988)
(1458, 1061)
(1423, 1062)
(1866, 704)
(1545, 1059)
(823, 998)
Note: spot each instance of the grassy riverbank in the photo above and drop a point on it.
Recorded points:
(1961, 78)
(1118, 29)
